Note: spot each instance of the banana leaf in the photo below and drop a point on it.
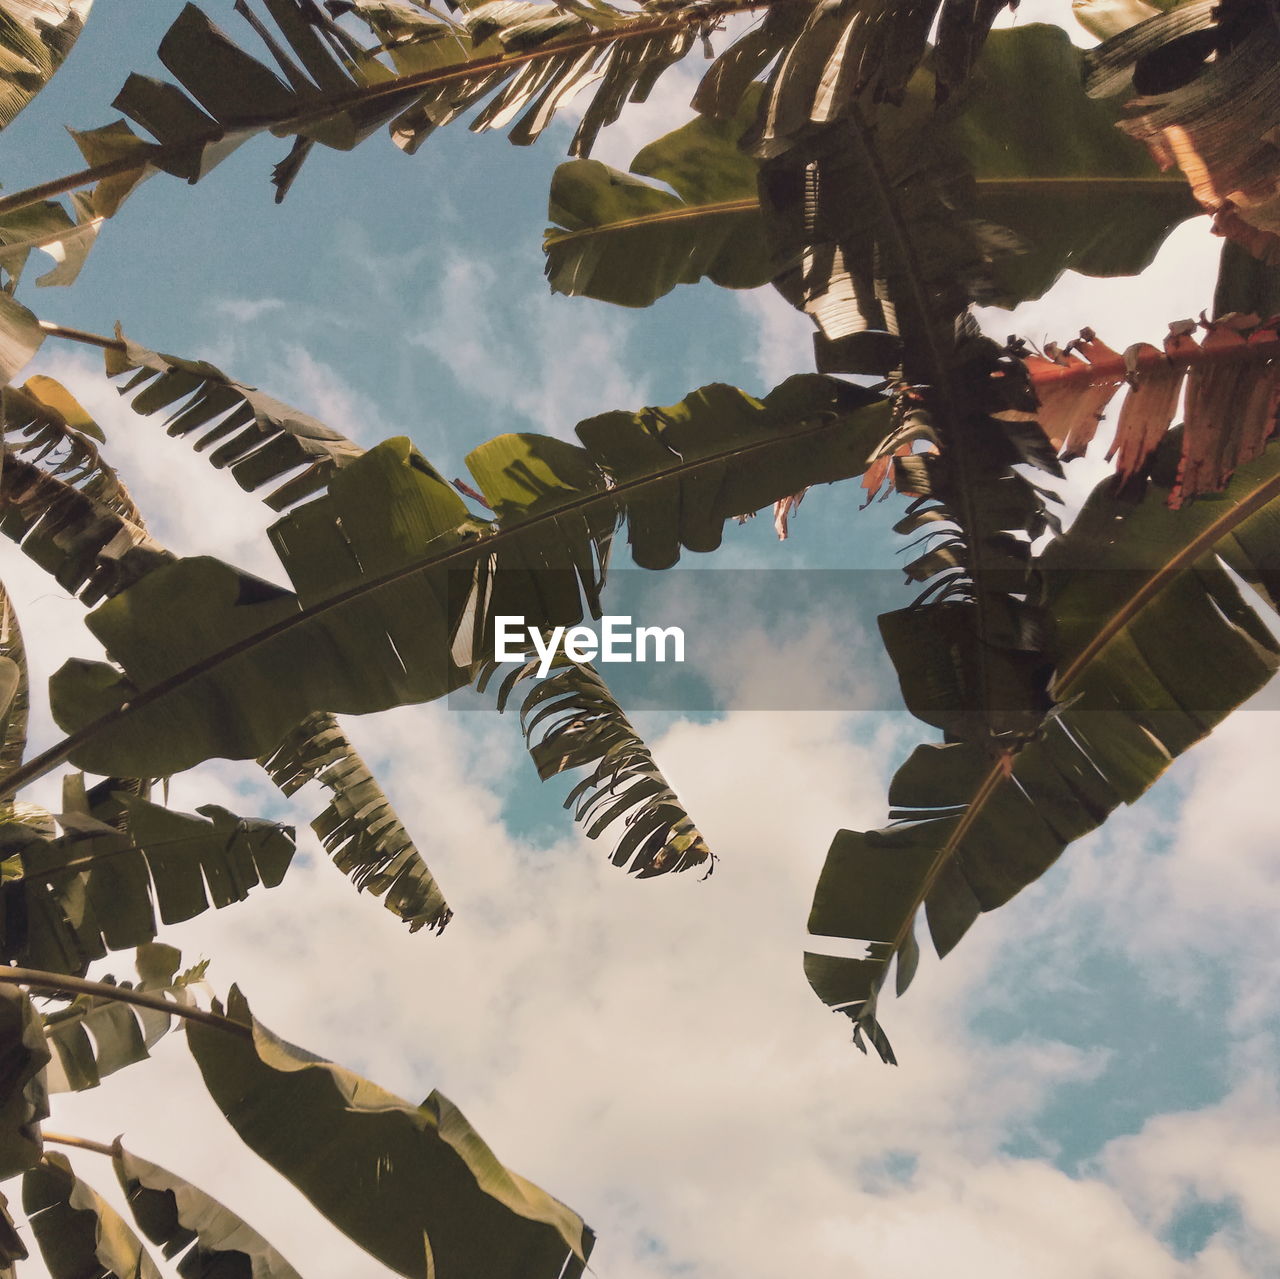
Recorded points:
(207, 1240)
(415, 1186)
(390, 569)
(99, 888)
(79, 1233)
(1046, 162)
(35, 38)
(1153, 644)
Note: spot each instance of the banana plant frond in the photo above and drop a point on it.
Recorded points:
(1153, 644)
(391, 568)
(12, 1247)
(35, 38)
(93, 1036)
(387, 1173)
(78, 1232)
(24, 1099)
(1228, 384)
(359, 828)
(21, 336)
(123, 861)
(627, 241)
(571, 721)
(15, 688)
(45, 424)
(91, 549)
(1074, 192)
(821, 59)
(202, 1237)
(257, 437)
(66, 232)
(970, 652)
(319, 85)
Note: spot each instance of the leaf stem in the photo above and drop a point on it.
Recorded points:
(80, 1143)
(63, 983)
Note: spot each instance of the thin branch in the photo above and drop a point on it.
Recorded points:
(79, 1143)
(80, 335)
(62, 984)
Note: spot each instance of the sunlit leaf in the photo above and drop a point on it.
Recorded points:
(393, 1176)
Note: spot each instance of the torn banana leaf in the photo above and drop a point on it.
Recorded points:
(1153, 645)
(20, 337)
(359, 828)
(1205, 85)
(192, 1229)
(94, 1036)
(415, 1186)
(62, 502)
(522, 60)
(15, 691)
(571, 720)
(24, 1100)
(35, 38)
(259, 438)
(80, 1235)
(1076, 194)
(100, 888)
(11, 1246)
(391, 570)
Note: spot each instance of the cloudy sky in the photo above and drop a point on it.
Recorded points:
(1087, 1084)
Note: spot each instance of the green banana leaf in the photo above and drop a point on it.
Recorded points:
(625, 241)
(205, 1239)
(359, 828)
(61, 501)
(94, 1036)
(1153, 645)
(571, 720)
(268, 439)
(35, 38)
(15, 692)
(100, 887)
(79, 1233)
(20, 337)
(11, 1246)
(375, 564)
(24, 1099)
(1047, 161)
(415, 1186)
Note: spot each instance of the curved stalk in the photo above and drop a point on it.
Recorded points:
(79, 1143)
(62, 984)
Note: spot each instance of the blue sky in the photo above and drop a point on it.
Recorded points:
(1087, 1083)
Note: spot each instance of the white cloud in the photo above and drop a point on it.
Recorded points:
(525, 354)
(247, 310)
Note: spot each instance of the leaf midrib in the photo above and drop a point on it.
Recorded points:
(1115, 625)
(58, 753)
(986, 186)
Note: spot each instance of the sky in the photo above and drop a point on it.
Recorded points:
(1087, 1084)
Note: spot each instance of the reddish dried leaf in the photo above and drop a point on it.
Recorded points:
(1229, 416)
(782, 510)
(1148, 409)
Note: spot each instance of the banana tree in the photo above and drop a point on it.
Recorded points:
(883, 187)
